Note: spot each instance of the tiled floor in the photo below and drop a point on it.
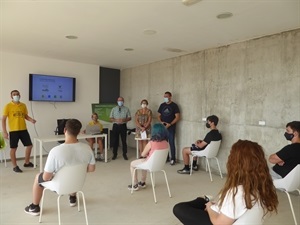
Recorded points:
(109, 202)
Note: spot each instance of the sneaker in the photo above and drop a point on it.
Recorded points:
(183, 171)
(142, 184)
(195, 168)
(32, 210)
(125, 157)
(73, 200)
(102, 156)
(17, 169)
(28, 164)
(172, 162)
(135, 187)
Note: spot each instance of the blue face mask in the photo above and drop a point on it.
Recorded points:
(120, 103)
(288, 136)
(166, 100)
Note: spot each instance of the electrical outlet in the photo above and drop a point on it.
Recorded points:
(262, 123)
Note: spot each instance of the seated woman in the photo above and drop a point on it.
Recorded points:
(158, 141)
(96, 127)
(248, 185)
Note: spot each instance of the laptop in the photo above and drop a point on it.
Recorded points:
(92, 129)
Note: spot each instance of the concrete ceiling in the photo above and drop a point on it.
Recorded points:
(106, 27)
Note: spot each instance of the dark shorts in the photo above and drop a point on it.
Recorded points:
(40, 179)
(195, 148)
(22, 135)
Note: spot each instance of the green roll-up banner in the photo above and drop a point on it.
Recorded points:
(103, 110)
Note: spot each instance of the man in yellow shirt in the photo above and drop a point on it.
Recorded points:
(16, 113)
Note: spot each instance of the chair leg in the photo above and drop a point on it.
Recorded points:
(84, 206)
(42, 205)
(208, 166)
(153, 188)
(219, 167)
(78, 201)
(167, 183)
(58, 208)
(191, 164)
(292, 208)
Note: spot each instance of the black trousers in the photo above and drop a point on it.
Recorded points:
(192, 213)
(119, 130)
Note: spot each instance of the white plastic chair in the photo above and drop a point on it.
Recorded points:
(253, 216)
(155, 163)
(290, 183)
(211, 151)
(3, 149)
(69, 179)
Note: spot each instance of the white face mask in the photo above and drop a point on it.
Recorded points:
(120, 103)
(16, 98)
(143, 106)
(166, 100)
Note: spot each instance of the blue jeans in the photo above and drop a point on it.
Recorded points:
(172, 143)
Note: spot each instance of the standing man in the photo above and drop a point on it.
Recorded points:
(71, 152)
(119, 116)
(288, 157)
(17, 113)
(168, 115)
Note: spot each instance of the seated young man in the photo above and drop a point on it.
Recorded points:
(288, 157)
(212, 135)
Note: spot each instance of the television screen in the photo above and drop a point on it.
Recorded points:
(50, 88)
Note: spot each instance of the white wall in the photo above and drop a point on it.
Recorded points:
(14, 74)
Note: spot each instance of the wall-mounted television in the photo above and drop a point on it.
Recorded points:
(49, 88)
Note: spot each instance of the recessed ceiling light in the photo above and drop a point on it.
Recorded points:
(128, 49)
(224, 15)
(173, 50)
(190, 2)
(71, 37)
(149, 32)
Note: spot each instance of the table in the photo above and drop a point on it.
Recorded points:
(137, 145)
(38, 143)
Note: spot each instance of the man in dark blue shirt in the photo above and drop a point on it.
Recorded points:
(169, 114)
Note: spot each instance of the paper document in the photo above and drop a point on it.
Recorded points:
(144, 135)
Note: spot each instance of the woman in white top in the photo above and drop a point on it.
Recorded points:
(248, 186)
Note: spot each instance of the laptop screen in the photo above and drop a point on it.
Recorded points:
(92, 129)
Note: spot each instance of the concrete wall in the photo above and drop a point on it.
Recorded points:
(241, 83)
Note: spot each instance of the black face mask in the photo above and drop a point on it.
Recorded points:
(288, 136)
(207, 125)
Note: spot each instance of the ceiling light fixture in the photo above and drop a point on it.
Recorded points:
(190, 2)
(149, 32)
(176, 50)
(224, 15)
(71, 37)
(128, 49)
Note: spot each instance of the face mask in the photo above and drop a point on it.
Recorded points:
(207, 125)
(166, 100)
(144, 106)
(288, 136)
(16, 98)
(120, 103)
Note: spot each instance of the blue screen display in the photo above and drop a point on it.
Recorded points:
(50, 88)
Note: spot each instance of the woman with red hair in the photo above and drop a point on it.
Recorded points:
(248, 186)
